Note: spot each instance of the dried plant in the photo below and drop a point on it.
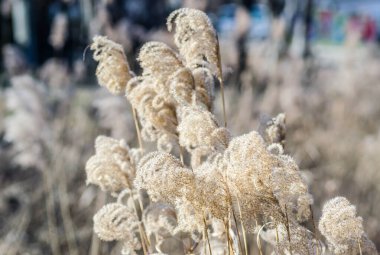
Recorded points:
(195, 38)
(200, 134)
(27, 102)
(158, 117)
(290, 189)
(153, 53)
(46, 132)
(164, 177)
(197, 42)
(112, 167)
(117, 222)
(343, 229)
(179, 199)
(113, 69)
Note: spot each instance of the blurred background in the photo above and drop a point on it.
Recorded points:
(318, 61)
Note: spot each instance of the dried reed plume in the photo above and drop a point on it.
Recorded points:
(216, 177)
(164, 177)
(343, 229)
(195, 38)
(27, 102)
(150, 94)
(157, 116)
(200, 134)
(159, 62)
(114, 222)
(290, 189)
(112, 166)
(197, 42)
(113, 69)
(117, 222)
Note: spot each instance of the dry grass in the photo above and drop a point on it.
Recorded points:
(193, 186)
(201, 173)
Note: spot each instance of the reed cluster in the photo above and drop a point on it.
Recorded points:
(201, 190)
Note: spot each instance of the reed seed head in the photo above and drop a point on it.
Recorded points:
(164, 177)
(115, 222)
(196, 38)
(111, 168)
(113, 70)
(341, 226)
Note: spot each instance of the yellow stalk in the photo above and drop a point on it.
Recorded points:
(220, 78)
(206, 235)
(134, 113)
(360, 247)
(243, 229)
(288, 230)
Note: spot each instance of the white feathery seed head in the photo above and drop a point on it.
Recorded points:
(115, 222)
(196, 38)
(343, 229)
(113, 70)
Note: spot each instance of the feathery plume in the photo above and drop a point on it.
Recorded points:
(248, 174)
(157, 115)
(111, 168)
(159, 62)
(204, 87)
(107, 175)
(160, 220)
(189, 220)
(194, 88)
(290, 189)
(113, 69)
(196, 38)
(182, 87)
(211, 196)
(164, 177)
(164, 68)
(249, 163)
(301, 241)
(115, 222)
(343, 229)
(198, 43)
(200, 133)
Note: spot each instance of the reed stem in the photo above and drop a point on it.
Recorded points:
(288, 229)
(243, 229)
(138, 131)
(206, 234)
(314, 228)
(220, 78)
(360, 247)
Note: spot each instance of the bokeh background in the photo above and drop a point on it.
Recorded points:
(318, 61)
